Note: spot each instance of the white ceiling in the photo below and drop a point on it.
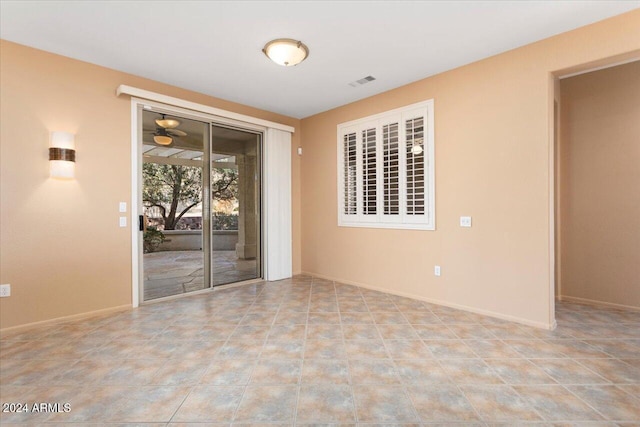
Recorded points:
(215, 47)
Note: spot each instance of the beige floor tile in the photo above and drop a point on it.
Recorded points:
(31, 372)
(556, 403)
(323, 318)
(366, 349)
(276, 372)
(469, 371)
(267, 404)
(368, 371)
(352, 318)
(240, 349)
(228, 372)
(207, 403)
(610, 401)
(180, 371)
(407, 349)
(421, 317)
(536, 349)
(397, 332)
(250, 332)
(434, 332)
(392, 318)
(450, 349)
(325, 371)
(360, 332)
(471, 332)
(131, 372)
(418, 371)
(383, 404)
(324, 332)
(499, 403)
(287, 332)
(492, 349)
(324, 349)
(259, 318)
(568, 371)
(149, 403)
(293, 314)
(283, 349)
(325, 404)
(442, 403)
(519, 371)
(613, 370)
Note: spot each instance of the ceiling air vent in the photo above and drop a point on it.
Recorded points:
(362, 81)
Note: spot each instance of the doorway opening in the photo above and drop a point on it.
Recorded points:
(200, 203)
(597, 210)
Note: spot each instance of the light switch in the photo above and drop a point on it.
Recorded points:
(123, 221)
(465, 221)
(123, 207)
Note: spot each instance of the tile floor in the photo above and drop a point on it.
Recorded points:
(309, 351)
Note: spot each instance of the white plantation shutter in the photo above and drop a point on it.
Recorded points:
(349, 171)
(414, 131)
(369, 172)
(391, 168)
(386, 170)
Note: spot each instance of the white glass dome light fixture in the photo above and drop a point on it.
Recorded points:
(286, 52)
(417, 149)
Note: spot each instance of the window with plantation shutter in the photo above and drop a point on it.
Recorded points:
(386, 170)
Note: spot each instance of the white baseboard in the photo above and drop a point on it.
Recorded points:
(597, 303)
(527, 322)
(66, 318)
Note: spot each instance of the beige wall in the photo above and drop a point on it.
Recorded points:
(61, 248)
(600, 186)
(494, 161)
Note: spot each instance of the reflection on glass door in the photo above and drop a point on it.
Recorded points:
(235, 205)
(174, 180)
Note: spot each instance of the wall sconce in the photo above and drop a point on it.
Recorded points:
(62, 155)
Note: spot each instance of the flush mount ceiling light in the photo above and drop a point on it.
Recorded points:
(286, 52)
(417, 149)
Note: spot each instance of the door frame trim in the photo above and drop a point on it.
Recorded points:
(203, 114)
(200, 108)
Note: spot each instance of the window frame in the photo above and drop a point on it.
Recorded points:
(402, 220)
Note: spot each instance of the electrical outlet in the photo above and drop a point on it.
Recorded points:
(436, 270)
(5, 291)
(465, 221)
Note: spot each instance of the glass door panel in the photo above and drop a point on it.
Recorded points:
(174, 182)
(235, 205)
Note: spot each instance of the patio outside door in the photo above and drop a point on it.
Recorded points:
(235, 205)
(201, 186)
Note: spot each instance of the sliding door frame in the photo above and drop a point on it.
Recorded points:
(227, 119)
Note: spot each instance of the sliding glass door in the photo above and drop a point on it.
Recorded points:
(235, 202)
(200, 193)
